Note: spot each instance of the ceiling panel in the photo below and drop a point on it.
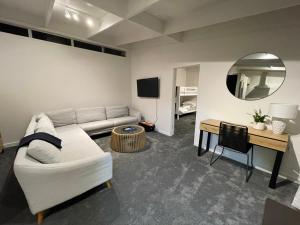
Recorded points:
(80, 22)
(82, 7)
(125, 32)
(170, 9)
(35, 7)
(121, 22)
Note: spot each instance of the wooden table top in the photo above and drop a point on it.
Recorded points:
(262, 133)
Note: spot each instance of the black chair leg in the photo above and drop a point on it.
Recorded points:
(252, 157)
(212, 160)
(249, 170)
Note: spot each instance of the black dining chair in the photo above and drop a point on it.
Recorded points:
(235, 138)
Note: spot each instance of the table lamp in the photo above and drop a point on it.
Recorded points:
(280, 113)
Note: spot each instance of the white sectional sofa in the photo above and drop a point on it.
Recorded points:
(50, 176)
(97, 119)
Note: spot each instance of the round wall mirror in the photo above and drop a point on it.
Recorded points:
(256, 76)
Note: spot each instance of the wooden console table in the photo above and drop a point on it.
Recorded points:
(265, 138)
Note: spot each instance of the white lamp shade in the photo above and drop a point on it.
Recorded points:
(283, 111)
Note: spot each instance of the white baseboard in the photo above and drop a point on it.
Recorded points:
(163, 132)
(10, 144)
(283, 176)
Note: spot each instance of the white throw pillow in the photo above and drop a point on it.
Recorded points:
(39, 116)
(41, 150)
(44, 152)
(45, 125)
(31, 127)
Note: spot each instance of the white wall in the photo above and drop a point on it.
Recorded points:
(187, 76)
(181, 77)
(192, 76)
(216, 49)
(39, 76)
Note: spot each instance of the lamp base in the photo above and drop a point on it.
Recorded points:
(278, 126)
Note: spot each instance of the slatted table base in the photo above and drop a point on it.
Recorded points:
(128, 142)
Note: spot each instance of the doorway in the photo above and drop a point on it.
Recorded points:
(186, 82)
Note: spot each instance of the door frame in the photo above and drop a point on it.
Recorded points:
(174, 91)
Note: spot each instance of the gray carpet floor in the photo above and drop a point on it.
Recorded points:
(164, 184)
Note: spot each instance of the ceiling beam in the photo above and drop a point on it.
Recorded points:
(116, 7)
(178, 37)
(149, 21)
(109, 20)
(136, 14)
(49, 11)
(135, 7)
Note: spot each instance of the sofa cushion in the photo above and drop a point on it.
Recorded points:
(135, 113)
(116, 111)
(44, 152)
(96, 125)
(86, 115)
(76, 144)
(62, 117)
(123, 120)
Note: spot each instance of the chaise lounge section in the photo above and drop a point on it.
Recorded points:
(48, 175)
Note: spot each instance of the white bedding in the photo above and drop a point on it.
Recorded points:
(186, 108)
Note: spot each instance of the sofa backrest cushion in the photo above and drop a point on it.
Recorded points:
(116, 111)
(85, 115)
(62, 117)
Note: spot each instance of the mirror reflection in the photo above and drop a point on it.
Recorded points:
(256, 76)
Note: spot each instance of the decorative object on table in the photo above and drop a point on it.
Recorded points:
(129, 129)
(1, 145)
(148, 126)
(281, 113)
(259, 120)
(128, 138)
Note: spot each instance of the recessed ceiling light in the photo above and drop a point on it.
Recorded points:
(75, 17)
(67, 14)
(89, 22)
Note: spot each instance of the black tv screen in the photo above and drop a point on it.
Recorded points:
(148, 87)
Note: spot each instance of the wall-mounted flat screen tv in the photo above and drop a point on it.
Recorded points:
(148, 88)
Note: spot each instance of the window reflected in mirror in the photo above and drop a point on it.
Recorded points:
(256, 76)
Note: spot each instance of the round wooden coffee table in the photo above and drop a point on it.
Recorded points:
(128, 138)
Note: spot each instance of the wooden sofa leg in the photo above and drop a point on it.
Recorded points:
(108, 184)
(40, 217)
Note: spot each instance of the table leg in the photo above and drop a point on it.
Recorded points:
(275, 170)
(200, 143)
(208, 142)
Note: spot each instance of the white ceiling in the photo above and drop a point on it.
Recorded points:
(35, 7)
(122, 22)
(82, 7)
(170, 9)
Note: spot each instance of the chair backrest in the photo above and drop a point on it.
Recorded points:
(234, 136)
